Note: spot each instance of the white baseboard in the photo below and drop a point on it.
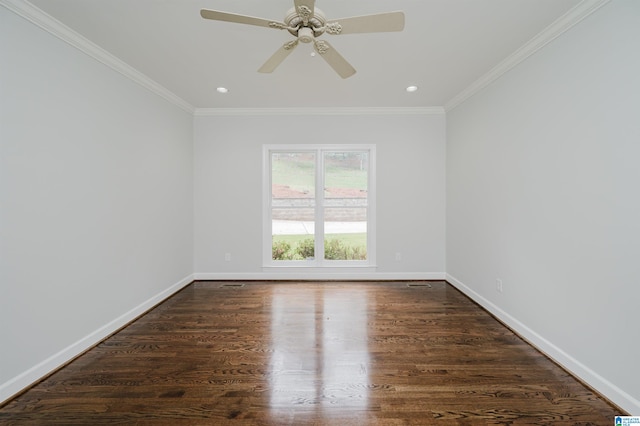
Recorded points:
(296, 274)
(22, 381)
(575, 367)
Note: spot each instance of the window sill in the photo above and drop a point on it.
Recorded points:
(316, 268)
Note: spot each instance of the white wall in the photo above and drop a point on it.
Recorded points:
(96, 196)
(410, 189)
(542, 192)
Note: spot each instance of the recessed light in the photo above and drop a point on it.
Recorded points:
(222, 90)
(412, 89)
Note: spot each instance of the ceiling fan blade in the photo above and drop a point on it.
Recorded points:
(334, 59)
(216, 15)
(305, 9)
(378, 23)
(277, 58)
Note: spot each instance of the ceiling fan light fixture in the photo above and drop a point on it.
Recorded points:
(305, 35)
(412, 89)
(222, 90)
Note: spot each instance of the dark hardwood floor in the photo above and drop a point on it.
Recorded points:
(354, 353)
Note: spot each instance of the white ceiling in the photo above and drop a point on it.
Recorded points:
(445, 47)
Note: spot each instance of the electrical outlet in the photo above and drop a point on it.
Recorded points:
(398, 257)
(227, 257)
(499, 287)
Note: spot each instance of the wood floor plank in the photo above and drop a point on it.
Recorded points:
(312, 353)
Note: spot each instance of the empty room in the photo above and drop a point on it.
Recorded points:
(319, 212)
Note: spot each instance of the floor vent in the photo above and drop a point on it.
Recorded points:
(418, 285)
(231, 285)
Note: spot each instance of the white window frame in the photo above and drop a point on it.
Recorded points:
(318, 261)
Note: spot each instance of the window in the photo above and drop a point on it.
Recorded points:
(319, 199)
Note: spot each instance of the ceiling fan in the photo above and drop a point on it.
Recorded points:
(306, 22)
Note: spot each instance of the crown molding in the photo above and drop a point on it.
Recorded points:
(36, 16)
(207, 112)
(557, 28)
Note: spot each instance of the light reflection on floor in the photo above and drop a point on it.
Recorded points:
(320, 358)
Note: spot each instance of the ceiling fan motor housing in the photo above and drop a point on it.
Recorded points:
(314, 28)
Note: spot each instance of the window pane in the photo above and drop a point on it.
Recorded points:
(345, 234)
(345, 202)
(346, 175)
(292, 205)
(293, 175)
(292, 234)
